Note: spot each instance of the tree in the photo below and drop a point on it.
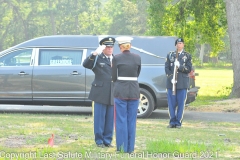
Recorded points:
(198, 22)
(21, 20)
(233, 16)
(156, 11)
(5, 23)
(127, 17)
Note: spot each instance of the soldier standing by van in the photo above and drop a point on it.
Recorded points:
(101, 91)
(177, 97)
(126, 68)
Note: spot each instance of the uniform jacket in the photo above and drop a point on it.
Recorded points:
(102, 86)
(185, 61)
(126, 64)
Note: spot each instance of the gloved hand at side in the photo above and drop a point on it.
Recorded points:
(177, 64)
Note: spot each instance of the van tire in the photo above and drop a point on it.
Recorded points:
(146, 104)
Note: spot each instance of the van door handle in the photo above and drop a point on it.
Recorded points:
(75, 73)
(22, 73)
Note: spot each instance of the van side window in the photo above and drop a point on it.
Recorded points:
(60, 57)
(17, 58)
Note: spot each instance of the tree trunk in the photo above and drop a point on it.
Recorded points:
(52, 17)
(202, 50)
(214, 60)
(233, 16)
(1, 46)
(76, 18)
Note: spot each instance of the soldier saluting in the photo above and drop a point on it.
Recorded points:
(101, 91)
(177, 88)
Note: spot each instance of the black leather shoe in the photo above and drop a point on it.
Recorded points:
(178, 127)
(108, 145)
(171, 126)
(101, 145)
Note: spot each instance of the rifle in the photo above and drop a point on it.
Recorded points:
(175, 76)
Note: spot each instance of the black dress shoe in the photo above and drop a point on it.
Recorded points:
(108, 145)
(101, 145)
(171, 126)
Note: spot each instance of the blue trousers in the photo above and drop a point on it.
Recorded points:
(103, 123)
(126, 116)
(174, 101)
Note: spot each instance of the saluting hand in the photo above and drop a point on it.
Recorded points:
(99, 50)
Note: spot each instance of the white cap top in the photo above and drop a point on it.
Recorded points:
(124, 39)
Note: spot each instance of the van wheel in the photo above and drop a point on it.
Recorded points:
(146, 104)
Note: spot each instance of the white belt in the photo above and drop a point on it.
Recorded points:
(127, 78)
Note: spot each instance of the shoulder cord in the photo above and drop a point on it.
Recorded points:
(95, 62)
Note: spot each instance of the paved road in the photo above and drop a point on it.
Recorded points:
(157, 114)
(200, 116)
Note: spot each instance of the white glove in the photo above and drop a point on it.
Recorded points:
(100, 49)
(173, 81)
(177, 64)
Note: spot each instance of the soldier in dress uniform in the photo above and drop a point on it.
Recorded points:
(101, 91)
(126, 68)
(184, 66)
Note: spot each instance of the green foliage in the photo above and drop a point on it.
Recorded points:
(21, 20)
(225, 91)
(127, 17)
(196, 61)
(198, 22)
(156, 12)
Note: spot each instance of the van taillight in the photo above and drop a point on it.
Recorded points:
(192, 74)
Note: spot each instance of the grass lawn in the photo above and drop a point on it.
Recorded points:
(215, 84)
(26, 136)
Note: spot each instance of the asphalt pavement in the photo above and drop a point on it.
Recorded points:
(200, 116)
(157, 114)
